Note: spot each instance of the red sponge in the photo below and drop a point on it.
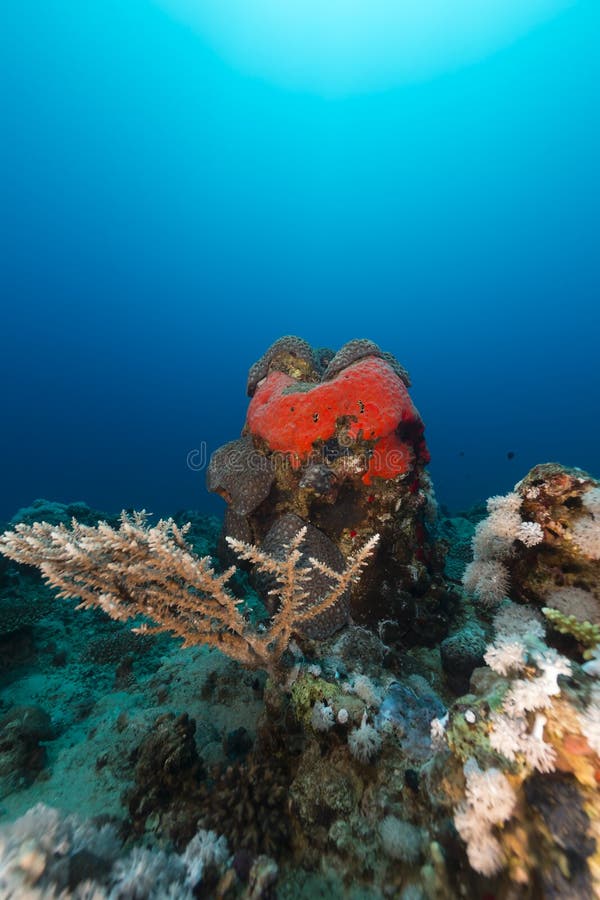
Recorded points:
(367, 398)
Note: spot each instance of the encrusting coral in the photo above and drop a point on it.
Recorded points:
(139, 569)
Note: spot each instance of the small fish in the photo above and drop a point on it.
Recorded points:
(510, 454)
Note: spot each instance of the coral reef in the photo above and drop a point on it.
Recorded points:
(346, 717)
(363, 764)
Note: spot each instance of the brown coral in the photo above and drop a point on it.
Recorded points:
(240, 475)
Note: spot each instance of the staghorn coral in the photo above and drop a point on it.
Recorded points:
(317, 545)
(139, 569)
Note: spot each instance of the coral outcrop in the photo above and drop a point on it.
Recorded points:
(335, 441)
(565, 567)
(540, 545)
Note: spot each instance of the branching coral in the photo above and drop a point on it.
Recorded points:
(586, 633)
(138, 569)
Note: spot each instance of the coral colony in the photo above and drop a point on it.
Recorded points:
(368, 698)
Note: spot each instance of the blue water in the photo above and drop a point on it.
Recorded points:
(166, 216)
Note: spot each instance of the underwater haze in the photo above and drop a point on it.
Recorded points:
(175, 197)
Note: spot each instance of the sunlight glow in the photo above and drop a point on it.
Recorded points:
(345, 46)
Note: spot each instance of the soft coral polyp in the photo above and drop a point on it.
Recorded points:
(368, 397)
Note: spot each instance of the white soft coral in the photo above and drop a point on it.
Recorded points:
(538, 754)
(489, 801)
(507, 734)
(487, 580)
(494, 539)
(364, 742)
(508, 654)
(530, 533)
(586, 535)
(514, 731)
(322, 717)
(514, 619)
(552, 664)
